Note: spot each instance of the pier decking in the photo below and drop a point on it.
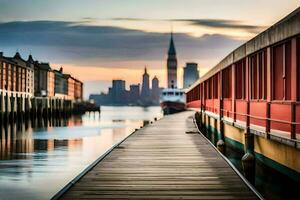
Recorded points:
(164, 160)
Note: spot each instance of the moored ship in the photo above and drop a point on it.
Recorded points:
(172, 100)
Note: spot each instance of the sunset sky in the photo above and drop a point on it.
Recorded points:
(101, 40)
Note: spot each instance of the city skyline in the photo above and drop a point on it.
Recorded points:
(93, 41)
(144, 93)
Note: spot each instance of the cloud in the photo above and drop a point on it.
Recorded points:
(212, 23)
(82, 44)
(231, 24)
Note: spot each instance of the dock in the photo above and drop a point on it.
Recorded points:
(167, 159)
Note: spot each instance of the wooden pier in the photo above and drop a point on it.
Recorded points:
(168, 159)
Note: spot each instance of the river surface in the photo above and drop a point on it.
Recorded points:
(37, 159)
(271, 184)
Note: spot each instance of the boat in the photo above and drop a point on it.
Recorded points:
(172, 100)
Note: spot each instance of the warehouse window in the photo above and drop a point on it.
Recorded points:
(258, 75)
(282, 71)
(226, 82)
(254, 77)
(216, 86)
(208, 88)
(262, 75)
(240, 83)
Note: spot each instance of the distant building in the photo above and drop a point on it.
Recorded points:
(172, 65)
(145, 93)
(42, 78)
(51, 83)
(155, 92)
(71, 86)
(78, 90)
(190, 74)
(33, 78)
(117, 94)
(134, 93)
(29, 73)
(118, 91)
(61, 83)
(12, 75)
(100, 99)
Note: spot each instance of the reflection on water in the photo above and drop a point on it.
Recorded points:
(269, 182)
(37, 158)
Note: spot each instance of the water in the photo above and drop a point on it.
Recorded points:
(271, 184)
(35, 163)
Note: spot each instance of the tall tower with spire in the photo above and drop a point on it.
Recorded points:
(172, 65)
(145, 93)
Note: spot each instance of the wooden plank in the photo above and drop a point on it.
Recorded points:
(162, 161)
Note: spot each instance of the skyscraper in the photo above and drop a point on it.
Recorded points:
(145, 93)
(134, 93)
(190, 74)
(118, 91)
(155, 92)
(172, 65)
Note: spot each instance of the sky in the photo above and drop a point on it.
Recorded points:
(100, 40)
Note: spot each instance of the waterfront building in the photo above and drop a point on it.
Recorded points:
(37, 79)
(172, 65)
(51, 83)
(61, 84)
(145, 93)
(27, 76)
(250, 99)
(190, 74)
(78, 90)
(11, 75)
(155, 91)
(41, 76)
(70, 86)
(30, 75)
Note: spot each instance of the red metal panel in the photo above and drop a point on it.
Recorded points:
(241, 108)
(210, 105)
(258, 110)
(216, 106)
(281, 112)
(227, 108)
(194, 104)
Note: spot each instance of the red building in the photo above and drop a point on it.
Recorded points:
(12, 75)
(256, 89)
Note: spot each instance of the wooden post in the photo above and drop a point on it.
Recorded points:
(12, 108)
(269, 90)
(248, 160)
(294, 86)
(233, 89)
